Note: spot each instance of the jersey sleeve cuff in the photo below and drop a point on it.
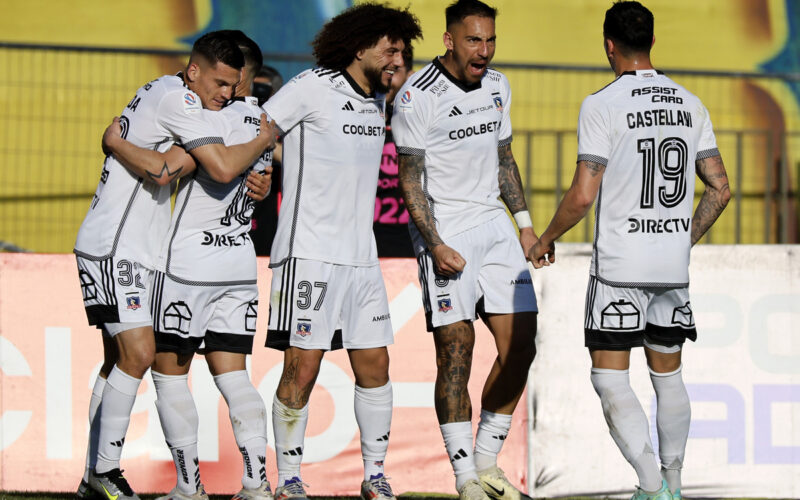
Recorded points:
(203, 141)
(707, 153)
(594, 159)
(405, 150)
(505, 142)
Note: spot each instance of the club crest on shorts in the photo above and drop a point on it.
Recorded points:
(134, 302)
(444, 304)
(303, 329)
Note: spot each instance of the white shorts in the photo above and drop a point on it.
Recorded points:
(619, 318)
(318, 305)
(115, 293)
(495, 280)
(224, 317)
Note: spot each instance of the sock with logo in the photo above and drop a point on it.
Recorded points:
(179, 421)
(119, 394)
(492, 432)
(373, 408)
(627, 424)
(458, 442)
(289, 427)
(94, 425)
(673, 416)
(249, 421)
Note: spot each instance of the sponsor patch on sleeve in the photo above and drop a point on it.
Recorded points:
(405, 102)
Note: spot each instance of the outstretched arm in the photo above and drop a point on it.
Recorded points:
(153, 166)
(715, 197)
(514, 196)
(447, 260)
(576, 203)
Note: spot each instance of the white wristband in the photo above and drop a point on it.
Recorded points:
(523, 218)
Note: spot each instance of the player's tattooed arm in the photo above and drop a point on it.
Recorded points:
(158, 168)
(510, 182)
(454, 345)
(573, 207)
(715, 197)
(447, 260)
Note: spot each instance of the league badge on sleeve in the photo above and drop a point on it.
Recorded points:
(405, 102)
(191, 103)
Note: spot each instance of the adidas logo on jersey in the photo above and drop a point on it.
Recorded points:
(455, 111)
(348, 106)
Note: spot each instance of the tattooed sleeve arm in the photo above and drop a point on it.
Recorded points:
(715, 197)
(509, 180)
(153, 166)
(447, 260)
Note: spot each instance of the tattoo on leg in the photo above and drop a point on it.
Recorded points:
(454, 345)
(290, 392)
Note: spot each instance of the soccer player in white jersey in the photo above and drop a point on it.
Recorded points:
(327, 289)
(128, 218)
(453, 132)
(641, 139)
(205, 292)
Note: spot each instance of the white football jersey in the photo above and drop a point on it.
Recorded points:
(208, 241)
(129, 216)
(457, 129)
(648, 131)
(332, 146)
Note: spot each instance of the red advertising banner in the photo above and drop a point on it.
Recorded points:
(49, 358)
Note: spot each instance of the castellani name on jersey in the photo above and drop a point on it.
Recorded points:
(457, 129)
(332, 148)
(208, 241)
(129, 216)
(648, 131)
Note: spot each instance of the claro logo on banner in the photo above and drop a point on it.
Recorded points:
(49, 359)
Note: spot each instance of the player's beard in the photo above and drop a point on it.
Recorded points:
(375, 79)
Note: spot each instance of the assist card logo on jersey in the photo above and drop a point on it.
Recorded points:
(191, 103)
(303, 329)
(445, 305)
(498, 103)
(133, 302)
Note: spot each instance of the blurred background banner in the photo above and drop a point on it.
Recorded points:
(71, 66)
(49, 359)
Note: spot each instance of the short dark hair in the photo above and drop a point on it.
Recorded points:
(459, 10)
(629, 24)
(216, 46)
(253, 58)
(361, 27)
(408, 57)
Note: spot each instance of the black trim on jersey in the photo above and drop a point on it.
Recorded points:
(505, 142)
(203, 141)
(320, 72)
(428, 77)
(458, 83)
(639, 284)
(119, 229)
(356, 87)
(594, 159)
(626, 73)
(405, 150)
(296, 211)
(591, 294)
(427, 193)
(228, 342)
(280, 340)
(707, 153)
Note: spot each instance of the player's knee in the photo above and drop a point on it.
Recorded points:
(137, 360)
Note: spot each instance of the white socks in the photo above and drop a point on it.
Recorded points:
(458, 442)
(119, 394)
(627, 424)
(492, 432)
(672, 421)
(373, 408)
(249, 421)
(94, 425)
(179, 421)
(289, 427)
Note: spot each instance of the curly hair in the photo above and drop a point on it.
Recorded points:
(361, 27)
